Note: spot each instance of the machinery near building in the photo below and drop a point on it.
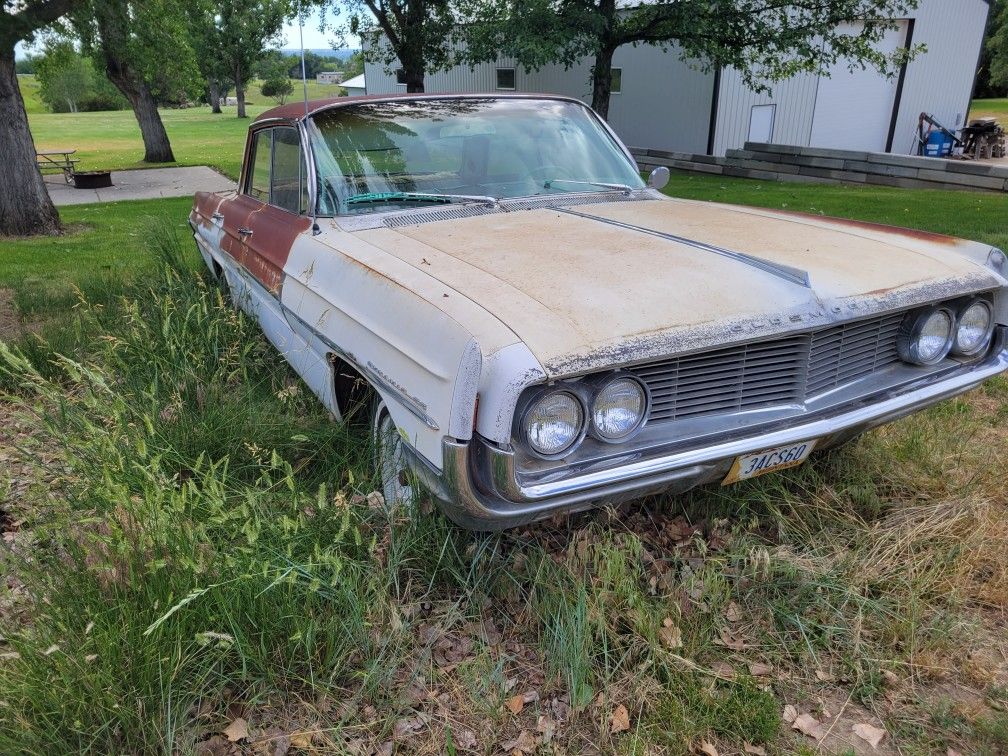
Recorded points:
(983, 139)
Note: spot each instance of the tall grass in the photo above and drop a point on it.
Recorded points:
(204, 547)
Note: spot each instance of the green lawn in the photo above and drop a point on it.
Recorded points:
(111, 139)
(101, 239)
(971, 215)
(995, 107)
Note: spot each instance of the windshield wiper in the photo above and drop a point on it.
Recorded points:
(625, 188)
(356, 199)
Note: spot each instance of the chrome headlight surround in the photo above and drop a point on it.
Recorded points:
(598, 391)
(525, 416)
(981, 344)
(908, 340)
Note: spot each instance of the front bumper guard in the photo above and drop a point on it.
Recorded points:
(480, 487)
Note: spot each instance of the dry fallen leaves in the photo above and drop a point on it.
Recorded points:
(809, 725)
(708, 748)
(790, 714)
(669, 634)
(237, 730)
(301, 740)
(515, 704)
(620, 720)
(758, 669)
(755, 750)
(525, 743)
(869, 733)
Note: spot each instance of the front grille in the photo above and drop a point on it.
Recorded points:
(786, 370)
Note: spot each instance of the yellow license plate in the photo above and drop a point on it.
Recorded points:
(753, 465)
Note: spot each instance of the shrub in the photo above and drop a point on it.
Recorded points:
(278, 88)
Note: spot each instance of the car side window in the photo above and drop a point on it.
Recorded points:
(259, 180)
(289, 182)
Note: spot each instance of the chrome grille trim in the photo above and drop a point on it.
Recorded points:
(782, 371)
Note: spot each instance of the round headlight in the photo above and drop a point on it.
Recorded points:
(553, 423)
(926, 337)
(973, 330)
(619, 409)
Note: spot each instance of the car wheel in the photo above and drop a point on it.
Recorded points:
(390, 458)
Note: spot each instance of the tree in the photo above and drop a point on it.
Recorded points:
(245, 28)
(766, 40)
(997, 48)
(204, 36)
(65, 77)
(419, 35)
(25, 206)
(279, 88)
(144, 48)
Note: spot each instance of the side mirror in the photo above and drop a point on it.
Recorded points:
(658, 178)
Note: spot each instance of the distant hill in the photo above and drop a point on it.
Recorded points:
(325, 52)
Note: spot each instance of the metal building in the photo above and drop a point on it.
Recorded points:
(661, 102)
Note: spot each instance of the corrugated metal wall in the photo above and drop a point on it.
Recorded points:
(795, 101)
(940, 81)
(665, 104)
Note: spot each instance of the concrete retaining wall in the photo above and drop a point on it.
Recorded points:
(780, 162)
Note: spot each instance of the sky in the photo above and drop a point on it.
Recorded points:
(313, 38)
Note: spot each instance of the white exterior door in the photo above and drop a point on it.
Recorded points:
(853, 111)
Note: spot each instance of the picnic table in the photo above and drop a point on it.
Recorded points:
(61, 160)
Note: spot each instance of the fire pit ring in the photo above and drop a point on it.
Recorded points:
(92, 179)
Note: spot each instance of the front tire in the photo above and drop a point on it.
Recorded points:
(389, 455)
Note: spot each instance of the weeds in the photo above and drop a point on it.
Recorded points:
(206, 549)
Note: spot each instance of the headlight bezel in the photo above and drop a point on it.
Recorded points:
(984, 344)
(530, 403)
(600, 386)
(908, 338)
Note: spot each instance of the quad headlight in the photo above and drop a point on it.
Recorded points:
(619, 409)
(926, 336)
(555, 420)
(553, 423)
(974, 328)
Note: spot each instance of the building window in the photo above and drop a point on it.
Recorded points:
(505, 78)
(616, 81)
(400, 77)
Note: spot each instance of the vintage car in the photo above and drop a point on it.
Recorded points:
(535, 329)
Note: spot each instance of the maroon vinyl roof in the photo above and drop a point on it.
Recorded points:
(295, 109)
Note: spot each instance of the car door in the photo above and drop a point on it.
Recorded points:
(278, 184)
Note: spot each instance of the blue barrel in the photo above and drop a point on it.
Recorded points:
(939, 144)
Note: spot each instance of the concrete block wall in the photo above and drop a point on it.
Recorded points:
(781, 162)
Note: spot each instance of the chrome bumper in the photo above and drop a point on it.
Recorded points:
(481, 488)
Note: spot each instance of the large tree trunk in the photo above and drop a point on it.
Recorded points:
(240, 92)
(414, 77)
(602, 81)
(157, 148)
(25, 206)
(214, 96)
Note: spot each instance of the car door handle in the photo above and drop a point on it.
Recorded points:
(244, 231)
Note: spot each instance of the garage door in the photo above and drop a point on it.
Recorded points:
(853, 110)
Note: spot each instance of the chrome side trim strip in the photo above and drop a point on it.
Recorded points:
(792, 275)
(370, 372)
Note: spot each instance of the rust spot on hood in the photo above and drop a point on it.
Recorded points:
(910, 233)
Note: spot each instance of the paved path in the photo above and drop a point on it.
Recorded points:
(147, 183)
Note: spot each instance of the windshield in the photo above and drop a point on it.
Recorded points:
(375, 157)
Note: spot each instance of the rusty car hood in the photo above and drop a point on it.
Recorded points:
(598, 285)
